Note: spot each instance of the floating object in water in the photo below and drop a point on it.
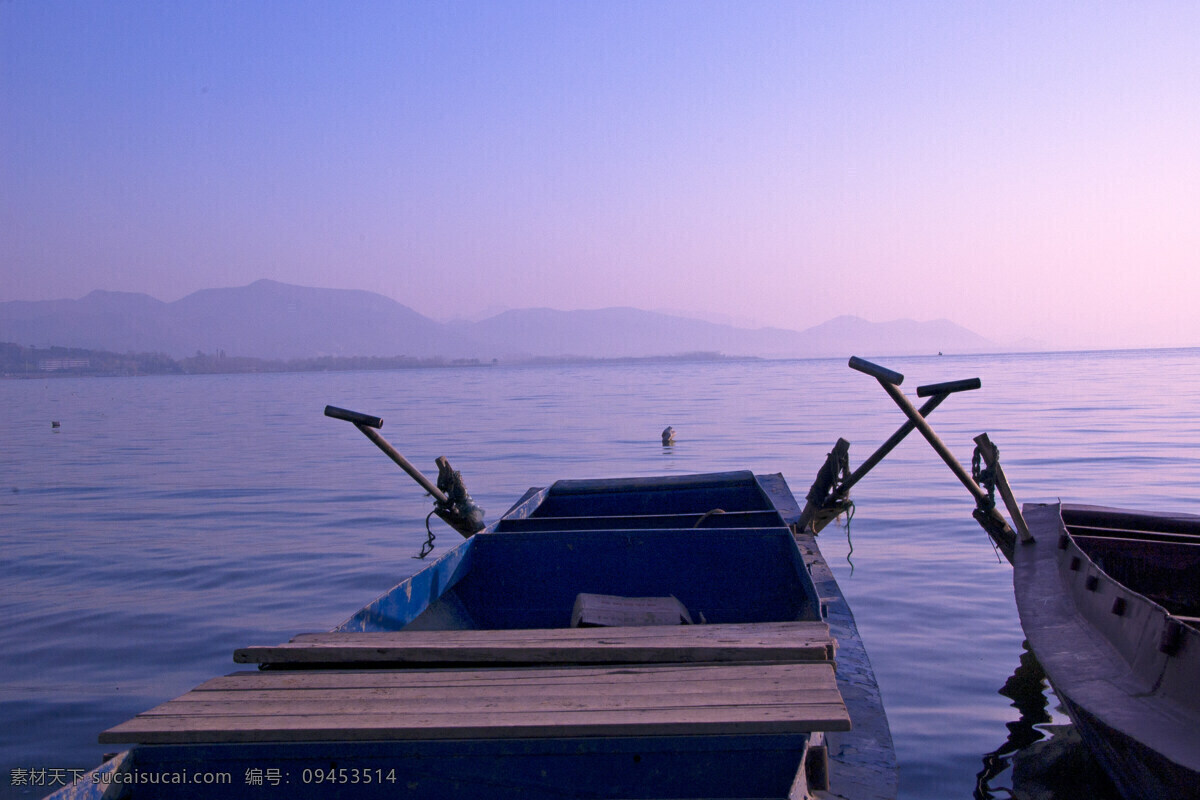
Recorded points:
(54, 423)
(668, 436)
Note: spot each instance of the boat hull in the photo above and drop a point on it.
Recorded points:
(1123, 665)
(752, 767)
(1137, 772)
(720, 544)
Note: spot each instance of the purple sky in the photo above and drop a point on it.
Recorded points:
(1024, 169)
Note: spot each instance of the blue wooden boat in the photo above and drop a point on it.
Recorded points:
(497, 671)
(1110, 602)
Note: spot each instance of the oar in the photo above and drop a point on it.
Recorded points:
(936, 393)
(825, 486)
(367, 424)
(453, 505)
(985, 515)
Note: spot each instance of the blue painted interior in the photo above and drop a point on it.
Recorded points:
(672, 494)
(530, 580)
(740, 566)
(744, 497)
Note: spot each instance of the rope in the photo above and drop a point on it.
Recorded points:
(834, 507)
(850, 544)
(427, 545)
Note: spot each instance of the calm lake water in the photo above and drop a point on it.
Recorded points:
(170, 520)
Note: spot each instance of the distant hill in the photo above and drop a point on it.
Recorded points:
(266, 319)
(624, 333)
(272, 320)
(628, 332)
(848, 334)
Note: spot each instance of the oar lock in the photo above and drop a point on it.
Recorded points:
(458, 509)
(985, 476)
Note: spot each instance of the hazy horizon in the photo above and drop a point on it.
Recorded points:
(493, 311)
(1023, 170)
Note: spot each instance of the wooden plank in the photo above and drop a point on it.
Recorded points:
(507, 676)
(1075, 515)
(729, 632)
(629, 677)
(780, 641)
(445, 705)
(1184, 544)
(1079, 531)
(740, 688)
(509, 703)
(705, 721)
(485, 686)
(497, 676)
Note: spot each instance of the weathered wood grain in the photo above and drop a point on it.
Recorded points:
(498, 703)
(779, 641)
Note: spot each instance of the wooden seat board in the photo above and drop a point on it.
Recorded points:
(776, 641)
(482, 691)
(497, 703)
(471, 677)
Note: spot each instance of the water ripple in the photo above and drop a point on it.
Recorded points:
(143, 552)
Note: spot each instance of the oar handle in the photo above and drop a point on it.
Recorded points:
(876, 371)
(949, 387)
(366, 424)
(353, 416)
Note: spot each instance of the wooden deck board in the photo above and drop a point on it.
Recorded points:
(473, 677)
(486, 692)
(515, 703)
(777, 641)
(767, 631)
(497, 703)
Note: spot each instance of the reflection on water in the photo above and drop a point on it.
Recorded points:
(1026, 687)
(1040, 760)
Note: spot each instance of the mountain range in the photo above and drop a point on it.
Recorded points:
(273, 320)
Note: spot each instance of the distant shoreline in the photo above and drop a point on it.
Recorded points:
(23, 363)
(17, 361)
